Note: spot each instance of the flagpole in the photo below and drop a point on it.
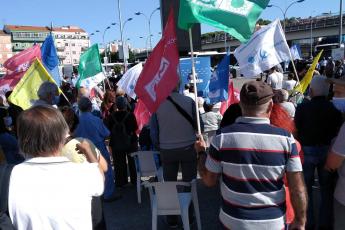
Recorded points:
(194, 81)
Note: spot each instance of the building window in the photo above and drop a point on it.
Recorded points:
(75, 61)
(73, 52)
(67, 53)
(66, 44)
(73, 44)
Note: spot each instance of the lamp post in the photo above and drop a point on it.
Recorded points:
(147, 50)
(105, 49)
(311, 34)
(286, 9)
(340, 23)
(122, 25)
(149, 21)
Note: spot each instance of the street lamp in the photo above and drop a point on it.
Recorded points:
(105, 49)
(286, 9)
(147, 39)
(311, 33)
(149, 21)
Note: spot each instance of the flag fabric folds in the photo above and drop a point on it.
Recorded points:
(25, 92)
(218, 86)
(142, 115)
(159, 76)
(50, 59)
(236, 17)
(89, 64)
(304, 83)
(233, 98)
(17, 65)
(295, 51)
(129, 80)
(22, 60)
(93, 81)
(266, 49)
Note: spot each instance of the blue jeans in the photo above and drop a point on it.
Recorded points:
(315, 159)
(109, 186)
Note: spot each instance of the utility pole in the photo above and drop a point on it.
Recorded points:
(341, 23)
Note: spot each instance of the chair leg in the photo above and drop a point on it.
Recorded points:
(197, 214)
(185, 220)
(154, 218)
(139, 189)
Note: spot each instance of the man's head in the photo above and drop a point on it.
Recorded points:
(256, 99)
(338, 87)
(47, 92)
(84, 104)
(41, 131)
(319, 86)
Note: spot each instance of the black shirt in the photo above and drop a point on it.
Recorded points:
(317, 122)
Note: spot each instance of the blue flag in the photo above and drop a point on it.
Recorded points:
(219, 83)
(50, 59)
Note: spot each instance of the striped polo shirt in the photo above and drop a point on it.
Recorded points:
(252, 157)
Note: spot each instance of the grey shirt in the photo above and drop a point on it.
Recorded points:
(174, 130)
(339, 149)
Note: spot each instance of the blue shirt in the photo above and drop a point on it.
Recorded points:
(92, 128)
(10, 148)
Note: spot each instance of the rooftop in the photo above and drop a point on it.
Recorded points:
(43, 28)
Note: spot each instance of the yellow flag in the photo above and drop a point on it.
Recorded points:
(303, 85)
(25, 92)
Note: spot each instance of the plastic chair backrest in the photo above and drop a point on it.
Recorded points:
(167, 196)
(146, 162)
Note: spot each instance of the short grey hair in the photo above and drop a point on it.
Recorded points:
(41, 131)
(254, 110)
(46, 89)
(319, 86)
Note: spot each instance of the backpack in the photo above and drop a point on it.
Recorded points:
(120, 139)
(5, 173)
(145, 138)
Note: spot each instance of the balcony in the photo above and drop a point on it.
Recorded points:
(61, 55)
(60, 48)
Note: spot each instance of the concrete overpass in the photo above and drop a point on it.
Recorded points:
(324, 29)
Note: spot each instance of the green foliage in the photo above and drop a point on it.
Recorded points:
(262, 22)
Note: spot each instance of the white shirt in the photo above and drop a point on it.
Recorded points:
(289, 85)
(53, 193)
(275, 80)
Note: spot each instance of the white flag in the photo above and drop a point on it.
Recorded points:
(91, 82)
(266, 48)
(295, 52)
(129, 80)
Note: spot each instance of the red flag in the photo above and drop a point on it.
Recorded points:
(22, 60)
(159, 76)
(233, 98)
(142, 115)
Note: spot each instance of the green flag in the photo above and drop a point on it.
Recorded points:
(89, 64)
(236, 17)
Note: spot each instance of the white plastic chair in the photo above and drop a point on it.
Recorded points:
(166, 200)
(146, 167)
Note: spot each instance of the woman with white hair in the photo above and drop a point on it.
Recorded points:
(48, 94)
(48, 191)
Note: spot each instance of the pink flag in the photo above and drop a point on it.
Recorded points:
(142, 115)
(9, 81)
(17, 66)
(22, 60)
(234, 97)
(159, 76)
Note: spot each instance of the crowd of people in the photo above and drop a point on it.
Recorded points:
(71, 152)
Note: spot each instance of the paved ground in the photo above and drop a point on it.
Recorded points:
(127, 214)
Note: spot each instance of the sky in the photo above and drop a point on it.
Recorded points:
(92, 15)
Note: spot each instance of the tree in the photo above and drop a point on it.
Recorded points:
(262, 22)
